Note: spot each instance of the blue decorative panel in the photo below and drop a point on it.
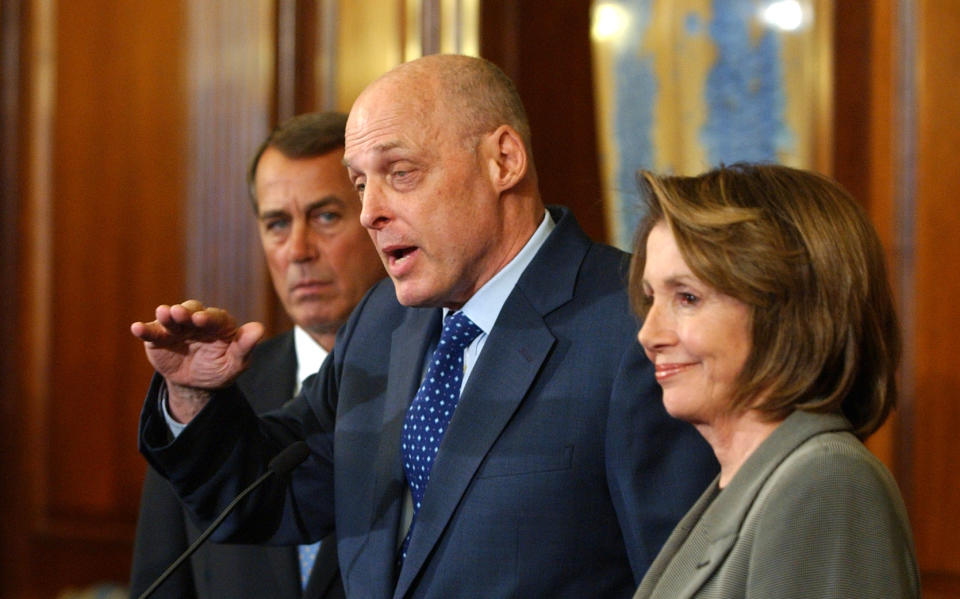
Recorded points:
(684, 85)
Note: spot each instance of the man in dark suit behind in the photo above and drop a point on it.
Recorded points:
(559, 474)
(321, 262)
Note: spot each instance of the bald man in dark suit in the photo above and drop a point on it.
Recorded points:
(558, 474)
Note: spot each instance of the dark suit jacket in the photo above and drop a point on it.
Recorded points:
(811, 513)
(217, 570)
(560, 474)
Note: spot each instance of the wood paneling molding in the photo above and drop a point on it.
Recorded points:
(528, 40)
(231, 56)
(935, 505)
(99, 238)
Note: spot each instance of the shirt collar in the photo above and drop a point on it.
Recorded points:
(484, 306)
(310, 354)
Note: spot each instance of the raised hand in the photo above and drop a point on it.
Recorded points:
(196, 349)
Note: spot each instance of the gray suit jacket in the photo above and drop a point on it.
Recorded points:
(560, 474)
(811, 513)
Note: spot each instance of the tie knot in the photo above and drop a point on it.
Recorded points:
(458, 332)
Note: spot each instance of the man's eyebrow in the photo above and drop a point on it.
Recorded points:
(320, 203)
(324, 202)
(276, 213)
(381, 148)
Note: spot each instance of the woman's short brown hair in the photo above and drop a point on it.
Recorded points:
(802, 255)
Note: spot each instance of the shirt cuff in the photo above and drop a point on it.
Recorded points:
(175, 427)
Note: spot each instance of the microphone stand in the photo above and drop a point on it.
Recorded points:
(285, 461)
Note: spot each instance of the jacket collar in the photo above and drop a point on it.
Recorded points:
(718, 516)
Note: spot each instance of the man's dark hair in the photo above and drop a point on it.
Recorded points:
(303, 136)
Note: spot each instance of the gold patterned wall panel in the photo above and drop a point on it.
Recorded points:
(370, 41)
(374, 36)
(683, 85)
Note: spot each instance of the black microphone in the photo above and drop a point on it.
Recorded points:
(283, 462)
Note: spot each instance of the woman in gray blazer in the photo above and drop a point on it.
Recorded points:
(770, 322)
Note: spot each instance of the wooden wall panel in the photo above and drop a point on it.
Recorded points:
(865, 155)
(544, 45)
(230, 81)
(897, 64)
(12, 42)
(98, 237)
(936, 486)
(117, 172)
(138, 121)
(119, 129)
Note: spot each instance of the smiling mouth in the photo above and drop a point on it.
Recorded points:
(665, 371)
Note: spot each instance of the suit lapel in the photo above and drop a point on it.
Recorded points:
(384, 498)
(511, 358)
(284, 566)
(325, 573)
(508, 366)
(712, 557)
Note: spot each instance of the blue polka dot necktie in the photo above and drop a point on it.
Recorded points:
(308, 555)
(432, 407)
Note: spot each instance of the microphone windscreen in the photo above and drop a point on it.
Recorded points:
(289, 458)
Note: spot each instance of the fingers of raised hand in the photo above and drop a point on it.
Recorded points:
(193, 305)
(171, 321)
(192, 315)
(147, 331)
(183, 321)
(180, 315)
(213, 323)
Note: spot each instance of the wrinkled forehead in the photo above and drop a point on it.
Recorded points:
(387, 116)
(374, 133)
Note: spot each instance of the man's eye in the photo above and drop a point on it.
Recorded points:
(403, 178)
(327, 218)
(274, 225)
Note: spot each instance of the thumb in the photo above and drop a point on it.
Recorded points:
(247, 336)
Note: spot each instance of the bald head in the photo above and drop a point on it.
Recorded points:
(470, 94)
(438, 150)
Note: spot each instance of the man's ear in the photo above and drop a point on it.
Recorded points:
(507, 158)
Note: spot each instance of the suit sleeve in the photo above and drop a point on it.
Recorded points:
(832, 526)
(227, 446)
(657, 466)
(161, 538)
